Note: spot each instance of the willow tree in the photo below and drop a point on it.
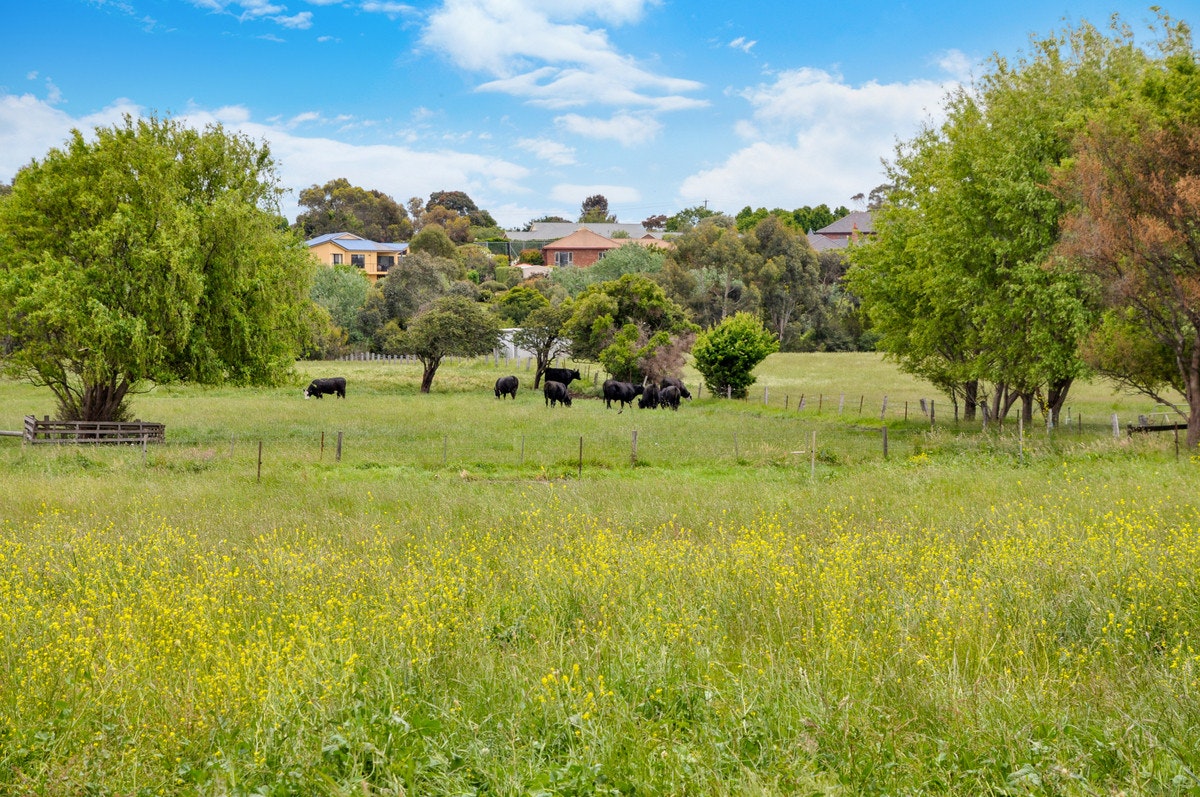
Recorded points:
(148, 252)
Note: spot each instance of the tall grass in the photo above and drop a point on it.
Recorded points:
(975, 614)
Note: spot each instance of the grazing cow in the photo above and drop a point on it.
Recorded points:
(621, 392)
(669, 397)
(507, 386)
(649, 399)
(556, 392)
(321, 387)
(670, 380)
(561, 375)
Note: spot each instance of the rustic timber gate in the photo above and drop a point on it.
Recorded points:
(86, 432)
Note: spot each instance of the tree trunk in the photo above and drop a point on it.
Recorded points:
(1056, 397)
(1027, 409)
(431, 367)
(1192, 382)
(970, 399)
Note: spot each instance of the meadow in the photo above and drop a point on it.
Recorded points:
(496, 597)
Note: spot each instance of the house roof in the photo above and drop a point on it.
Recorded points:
(553, 230)
(583, 238)
(858, 221)
(355, 243)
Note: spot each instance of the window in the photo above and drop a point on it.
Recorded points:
(564, 258)
(337, 258)
(358, 260)
(386, 262)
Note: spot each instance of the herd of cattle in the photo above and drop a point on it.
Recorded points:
(665, 393)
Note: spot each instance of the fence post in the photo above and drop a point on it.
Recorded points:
(259, 479)
(883, 412)
(581, 453)
(339, 447)
(885, 442)
(812, 457)
(766, 393)
(1116, 426)
(633, 455)
(322, 445)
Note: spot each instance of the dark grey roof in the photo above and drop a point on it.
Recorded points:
(859, 220)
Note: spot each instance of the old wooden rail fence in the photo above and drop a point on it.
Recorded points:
(43, 431)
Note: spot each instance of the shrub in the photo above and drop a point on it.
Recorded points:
(726, 354)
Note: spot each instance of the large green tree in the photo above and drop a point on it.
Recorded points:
(339, 206)
(451, 325)
(148, 252)
(624, 322)
(957, 282)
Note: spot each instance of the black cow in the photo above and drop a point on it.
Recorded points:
(669, 397)
(321, 387)
(621, 392)
(649, 399)
(507, 386)
(672, 381)
(556, 391)
(561, 375)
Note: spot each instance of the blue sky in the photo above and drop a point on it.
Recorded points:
(529, 106)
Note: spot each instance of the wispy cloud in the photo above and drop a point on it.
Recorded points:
(391, 9)
(548, 150)
(628, 129)
(545, 53)
(301, 21)
(576, 193)
(741, 43)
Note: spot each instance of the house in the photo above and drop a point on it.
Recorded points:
(345, 248)
(842, 232)
(545, 231)
(581, 248)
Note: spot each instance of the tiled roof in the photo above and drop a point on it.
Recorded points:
(583, 238)
(553, 230)
(858, 221)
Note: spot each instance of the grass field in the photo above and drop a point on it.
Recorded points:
(464, 603)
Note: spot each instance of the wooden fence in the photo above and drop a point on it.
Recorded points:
(86, 432)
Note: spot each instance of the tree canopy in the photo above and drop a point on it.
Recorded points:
(451, 325)
(339, 206)
(152, 252)
(1134, 190)
(957, 282)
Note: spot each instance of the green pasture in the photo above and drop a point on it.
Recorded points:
(463, 603)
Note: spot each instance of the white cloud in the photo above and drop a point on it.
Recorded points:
(628, 129)
(957, 64)
(301, 21)
(741, 43)
(542, 51)
(30, 127)
(575, 193)
(813, 138)
(550, 151)
(391, 9)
